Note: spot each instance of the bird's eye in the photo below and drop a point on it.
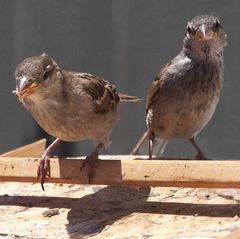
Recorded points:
(46, 74)
(191, 31)
(216, 26)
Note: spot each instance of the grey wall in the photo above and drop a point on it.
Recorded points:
(125, 42)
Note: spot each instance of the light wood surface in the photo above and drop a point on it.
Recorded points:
(104, 211)
(129, 170)
(31, 150)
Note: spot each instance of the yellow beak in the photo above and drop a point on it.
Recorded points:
(26, 86)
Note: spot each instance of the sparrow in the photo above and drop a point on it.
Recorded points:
(68, 105)
(185, 93)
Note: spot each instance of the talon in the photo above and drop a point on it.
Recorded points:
(201, 156)
(91, 173)
(83, 165)
(43, 170)
(47, 168)
(44, 165)
(90, 179)
(90, 162)
(42, 186)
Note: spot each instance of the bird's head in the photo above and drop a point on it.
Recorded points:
(204, 33)
(33, 73)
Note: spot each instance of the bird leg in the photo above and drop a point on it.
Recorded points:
(150, 145)
(200, 154)
(44, 165)
(90, 162)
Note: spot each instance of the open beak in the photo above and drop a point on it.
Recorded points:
(204, 33)
(26, 86)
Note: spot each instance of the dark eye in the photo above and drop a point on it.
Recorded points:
(191, 31)
(45, 74)
(216, 26)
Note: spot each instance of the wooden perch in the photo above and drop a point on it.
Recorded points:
(31, 150)
(129, 170)
(20, 165)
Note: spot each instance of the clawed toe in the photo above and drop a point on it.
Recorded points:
(201, 156)
(44, 165)
(90, 175)
(43, 170)
(90, 164)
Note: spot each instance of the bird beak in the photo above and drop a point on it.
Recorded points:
(204, 33)
(26, 86)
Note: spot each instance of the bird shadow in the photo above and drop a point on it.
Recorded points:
(92, 213)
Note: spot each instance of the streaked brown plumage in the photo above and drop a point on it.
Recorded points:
(68, 105)
(185, 93)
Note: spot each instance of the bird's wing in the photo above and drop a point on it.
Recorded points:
(171, 74)
(101, 92)
(157, 86)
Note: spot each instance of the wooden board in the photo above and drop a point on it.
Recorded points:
(129, 170)
(31, 150)
(103, 212)
(118, 212)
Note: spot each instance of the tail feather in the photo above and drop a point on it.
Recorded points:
(129, 98)
(141, 147)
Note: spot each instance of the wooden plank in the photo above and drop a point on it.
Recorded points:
(130, 170)
(234, 235)
(35, 149)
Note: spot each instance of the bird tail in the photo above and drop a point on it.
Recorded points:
(129, 98)
(141, 147)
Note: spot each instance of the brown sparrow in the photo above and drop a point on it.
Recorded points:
(185, 93)
(68, 105)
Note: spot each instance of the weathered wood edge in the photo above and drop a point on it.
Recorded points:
(129, 170)
(34, 149)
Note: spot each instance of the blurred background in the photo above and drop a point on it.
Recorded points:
(125, 42)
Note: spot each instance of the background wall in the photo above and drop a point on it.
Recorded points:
(124, 41)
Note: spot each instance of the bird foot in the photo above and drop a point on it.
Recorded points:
(201, 156)
(44, 169)
(90, 163)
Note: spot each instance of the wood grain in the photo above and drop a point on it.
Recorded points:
(31, 150)
(129, 170)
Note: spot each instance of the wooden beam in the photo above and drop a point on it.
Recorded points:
(129, 170)
(35, 149)
(233, 235)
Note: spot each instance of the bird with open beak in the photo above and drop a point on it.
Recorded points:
(185, 93)
(68, 105)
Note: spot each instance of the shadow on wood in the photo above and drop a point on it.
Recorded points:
(92, 213)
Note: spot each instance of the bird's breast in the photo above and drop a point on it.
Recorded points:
(185, 108)
(72, 120)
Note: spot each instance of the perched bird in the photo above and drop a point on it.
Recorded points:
(185, 93)
(68, 105)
